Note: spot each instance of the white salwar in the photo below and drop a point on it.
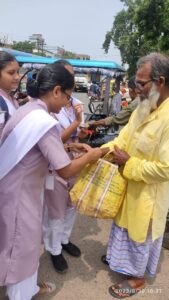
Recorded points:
(23, 290)
(57, 231)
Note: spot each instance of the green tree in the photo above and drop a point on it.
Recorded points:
(25, 46)
(140, 28)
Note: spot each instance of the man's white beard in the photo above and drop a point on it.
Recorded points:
(146, 106)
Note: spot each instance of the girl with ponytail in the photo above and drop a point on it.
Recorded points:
(31, 141)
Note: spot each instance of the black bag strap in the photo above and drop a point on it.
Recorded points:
(4, 107)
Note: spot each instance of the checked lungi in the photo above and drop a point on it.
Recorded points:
(132, 258)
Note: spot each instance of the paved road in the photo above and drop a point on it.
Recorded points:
(87, 278)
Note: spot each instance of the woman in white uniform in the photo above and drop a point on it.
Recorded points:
(9, 79)
(30, 142)
(59, 216)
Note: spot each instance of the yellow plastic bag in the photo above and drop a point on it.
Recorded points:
(99, 190)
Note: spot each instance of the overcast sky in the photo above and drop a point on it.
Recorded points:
(77, 25)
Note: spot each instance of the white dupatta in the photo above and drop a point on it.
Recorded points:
(23, 137)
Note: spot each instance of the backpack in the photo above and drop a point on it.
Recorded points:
(4, 107)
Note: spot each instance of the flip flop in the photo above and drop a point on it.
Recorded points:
(124, 290)
(46, 288)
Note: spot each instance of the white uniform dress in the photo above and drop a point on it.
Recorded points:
(59, 214)
(21, 207)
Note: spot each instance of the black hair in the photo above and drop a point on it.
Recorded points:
(63, 62)
(47, 78)
(131, 83)
(5, 59)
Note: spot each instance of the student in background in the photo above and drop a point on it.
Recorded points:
(9, 79)
(59, 215)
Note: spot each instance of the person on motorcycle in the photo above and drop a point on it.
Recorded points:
(123, 116)
(94, 90)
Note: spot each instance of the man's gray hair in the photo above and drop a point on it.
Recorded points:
(159, 63)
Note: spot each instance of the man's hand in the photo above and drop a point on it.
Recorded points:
(120, 156)
(97, 123)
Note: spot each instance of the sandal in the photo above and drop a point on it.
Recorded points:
(46, 288)
(124, 289)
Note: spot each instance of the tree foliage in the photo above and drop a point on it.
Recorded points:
(25, 46)
(141, 27)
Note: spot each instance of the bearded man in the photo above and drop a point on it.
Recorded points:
(142, 151)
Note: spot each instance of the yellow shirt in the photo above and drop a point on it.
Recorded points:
(147, 173)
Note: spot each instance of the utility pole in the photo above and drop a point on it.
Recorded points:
(40, 42)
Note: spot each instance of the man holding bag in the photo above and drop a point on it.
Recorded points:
(142, 150)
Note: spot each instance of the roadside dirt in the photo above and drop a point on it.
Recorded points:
(87, 278)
